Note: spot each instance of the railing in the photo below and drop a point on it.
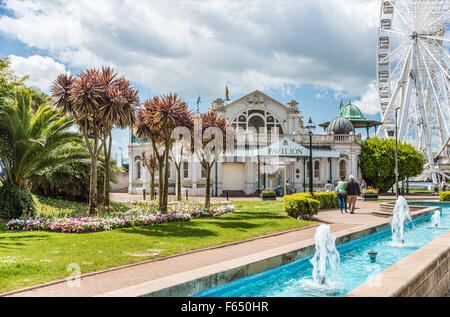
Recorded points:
(317, 139)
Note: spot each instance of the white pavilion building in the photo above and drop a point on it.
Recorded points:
(271, 163)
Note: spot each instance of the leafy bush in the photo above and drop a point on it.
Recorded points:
(326, 199)
(300, 207)
(444, 196)
(15, 202)
(377, 162)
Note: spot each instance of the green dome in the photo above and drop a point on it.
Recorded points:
(351, 112)
(340, 125)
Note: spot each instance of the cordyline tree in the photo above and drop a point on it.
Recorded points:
(211, 144)
(157, 121)
(119, 110)
(93, 97)
(151, 163)
(377, 162)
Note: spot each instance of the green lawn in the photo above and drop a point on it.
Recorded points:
(29, 258)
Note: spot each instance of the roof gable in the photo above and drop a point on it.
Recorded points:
(255, 94)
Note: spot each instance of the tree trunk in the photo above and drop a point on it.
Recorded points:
(152, 186)
(107, 150)
(166, 179)
(160, 183)
(178, 166)
(208, 186)
(93, 187)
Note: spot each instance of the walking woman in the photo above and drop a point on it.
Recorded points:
(342, 194)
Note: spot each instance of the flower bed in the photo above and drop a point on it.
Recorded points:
(369, 194)
(132, 218)
(268, 195)
(145, 214)
(214, 211)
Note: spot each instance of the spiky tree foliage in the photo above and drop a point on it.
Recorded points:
(213, 128)
(151, 163)
(145, 128)
(157, 121)
(82, 97)
(30, 143)
(119, 109)
(98, 100)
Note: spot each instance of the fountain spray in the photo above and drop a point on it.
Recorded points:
(326, 255)
(400, 215)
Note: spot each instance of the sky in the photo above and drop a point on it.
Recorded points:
(316, 52)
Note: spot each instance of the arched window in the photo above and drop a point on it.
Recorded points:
(138, 170)
(256, 122)
(342, 169)
(185, 170)
(270, 119)
(203, 175)
(242, 118)
(316, 169)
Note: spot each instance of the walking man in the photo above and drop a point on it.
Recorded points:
(342, 194)
(353, 192)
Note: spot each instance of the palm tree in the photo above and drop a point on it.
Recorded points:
(118, 109)
(157, 121)
(145, 128)
(98, 100)
(70, 180)
(30, 143)
(152, 165)
(207, 155)
(82, 97)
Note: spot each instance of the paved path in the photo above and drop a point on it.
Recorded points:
(119, 278)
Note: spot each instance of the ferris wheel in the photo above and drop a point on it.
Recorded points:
(413, 77)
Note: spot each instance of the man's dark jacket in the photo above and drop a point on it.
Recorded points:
(352, 188)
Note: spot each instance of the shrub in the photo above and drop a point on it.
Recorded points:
(298, 206)
(444, 196)
(15, 202)
(326, 199)
(377, 162)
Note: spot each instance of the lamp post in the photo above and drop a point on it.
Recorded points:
(121, 156)
(311, 127)
(396, 153)
(259, 171)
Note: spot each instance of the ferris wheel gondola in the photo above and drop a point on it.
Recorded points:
(413, 77)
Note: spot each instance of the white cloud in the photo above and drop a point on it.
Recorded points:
(42, 70)
(199, 46)
(368, 103)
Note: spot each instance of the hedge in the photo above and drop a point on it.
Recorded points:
(300, 207)
(326, 199)
(444, 196)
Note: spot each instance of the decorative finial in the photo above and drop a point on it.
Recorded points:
(341, 105)
(227, 93)
(198, 104)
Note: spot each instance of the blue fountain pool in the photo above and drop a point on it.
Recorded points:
(295, 279)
